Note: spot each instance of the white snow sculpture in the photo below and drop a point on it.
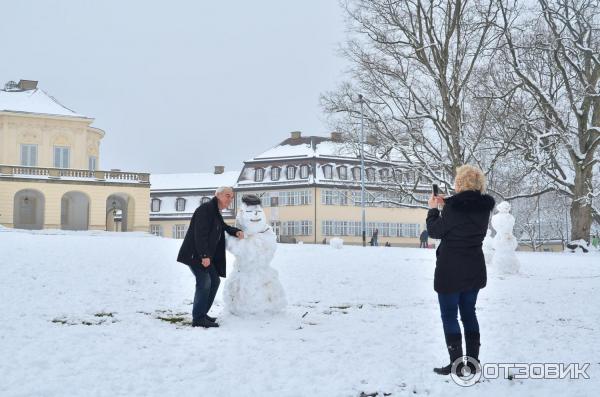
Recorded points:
(504, 259)
(336, 243)
(253, 287)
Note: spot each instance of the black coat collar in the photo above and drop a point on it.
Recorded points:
(471, 201)
(215, 203)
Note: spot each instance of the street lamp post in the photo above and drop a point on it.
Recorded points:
(362, 171)
(539, 222)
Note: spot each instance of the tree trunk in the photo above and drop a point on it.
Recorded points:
(581, 207)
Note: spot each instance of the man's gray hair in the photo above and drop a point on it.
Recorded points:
(222, 189)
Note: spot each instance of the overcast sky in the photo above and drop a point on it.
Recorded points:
(180, 86)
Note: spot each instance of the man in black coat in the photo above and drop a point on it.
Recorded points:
(460, 267)
(203, 250)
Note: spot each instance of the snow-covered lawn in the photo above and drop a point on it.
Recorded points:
(80, 317)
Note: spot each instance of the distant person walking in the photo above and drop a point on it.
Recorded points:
(460, 266)
(375, 238)
(424, 238)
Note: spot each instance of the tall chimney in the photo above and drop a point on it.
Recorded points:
(219, 169)
(296, 134)
(26, 85)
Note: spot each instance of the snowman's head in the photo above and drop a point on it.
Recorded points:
(503, 207)
(251, 217)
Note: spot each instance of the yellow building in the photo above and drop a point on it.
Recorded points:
(311, 192)
(175, 197)
(50, 173)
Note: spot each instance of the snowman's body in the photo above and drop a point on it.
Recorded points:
(253, 287)
(505, 259)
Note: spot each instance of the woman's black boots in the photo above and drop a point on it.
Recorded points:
(454, 344)
(472, 343)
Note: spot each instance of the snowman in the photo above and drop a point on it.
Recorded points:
(504, 259)
(253, 287)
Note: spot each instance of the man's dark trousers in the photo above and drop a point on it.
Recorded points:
(207, 284)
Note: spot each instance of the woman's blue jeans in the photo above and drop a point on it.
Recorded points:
(450, 304)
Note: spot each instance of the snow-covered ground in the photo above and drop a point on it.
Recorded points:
(80, 317)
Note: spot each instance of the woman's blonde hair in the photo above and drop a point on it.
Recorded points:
(469, 177)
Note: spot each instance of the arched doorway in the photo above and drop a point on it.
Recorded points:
(74, 211)
(119, 212)
(28, 211)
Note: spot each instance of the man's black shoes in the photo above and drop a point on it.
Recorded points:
(209, 318)
(205, 323)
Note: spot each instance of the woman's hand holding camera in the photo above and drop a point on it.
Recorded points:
(436, 201)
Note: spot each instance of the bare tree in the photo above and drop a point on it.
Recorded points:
(415, 62)
(554, 59)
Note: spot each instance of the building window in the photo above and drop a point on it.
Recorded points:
(180, 204)
(384, 175)
(155, 205)
(283, 198)
(296, 228)
(61, 157)
(304, 171)
(327, 228)
(259, 174)
(385, 229)
(157, 230)
(356, 173)
(288, 198)
(306, 228)
(343, 197)
(204, 200)
(290, 228)
(305, 197)
(275, 173)
(29, 155)
(327, 197)
(92, 160)
(370, 175)
(295, 197)
(334, 197)
(343, 173)
(291, 172)
(179, 231)
(394, 229)
(327, 172)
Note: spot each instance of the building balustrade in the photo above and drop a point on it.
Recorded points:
(58, 173)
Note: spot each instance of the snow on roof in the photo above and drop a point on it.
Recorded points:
(317, 147)
(334, 149)
(192, 181)
(306, 147)
(302, 150)
(34, 101)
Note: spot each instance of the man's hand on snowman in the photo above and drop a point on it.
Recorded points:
(239, 234)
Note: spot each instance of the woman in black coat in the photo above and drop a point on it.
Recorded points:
(460, 267)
